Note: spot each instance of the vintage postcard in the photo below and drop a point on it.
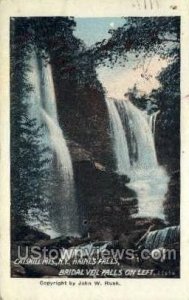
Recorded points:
(94, 120)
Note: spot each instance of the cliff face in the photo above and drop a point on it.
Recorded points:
(105, 203)
(168, 143)
(102, 194)
(84, 118)
(83, 115)
(168, 153)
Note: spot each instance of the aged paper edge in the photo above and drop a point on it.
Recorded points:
(16, 288)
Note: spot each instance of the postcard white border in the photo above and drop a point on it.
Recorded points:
(23, 289)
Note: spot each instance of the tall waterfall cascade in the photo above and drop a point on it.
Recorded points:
(119, 139)
(140, 140)
(64, 211)
(152, 121)
(133, 144)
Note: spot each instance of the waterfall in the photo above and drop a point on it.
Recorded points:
(64, 210)
(119, 139)
(143, 143)
(132, 138)
(162, 238)
(152, 121)
(135, 155)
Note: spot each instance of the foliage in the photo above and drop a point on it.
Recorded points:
(168, 101)
(31, 159)
(76, 84)
(146, 36)
(29, 172)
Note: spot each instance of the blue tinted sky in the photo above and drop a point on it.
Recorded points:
(118, 80)
(92, 30)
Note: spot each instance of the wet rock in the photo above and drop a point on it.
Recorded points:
(129, 240)
(78, 153)
(17, 270)
(145, 223)
(129, 201)
(108, 209)
(62, 242)
(83, 115)
(40, 270)
(101, 193)
(28, 233)
(172, 203)
(57, 242)
(103, 234)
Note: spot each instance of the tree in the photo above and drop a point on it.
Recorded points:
(168, 122)
(142, 36)
(29, 156)
(31, 159)
(146, 37)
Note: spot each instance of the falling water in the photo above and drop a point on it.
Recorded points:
(138, 125)
(135, 155)
(162, 238)
(152, 121)
(119, 139)
(64, 214)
